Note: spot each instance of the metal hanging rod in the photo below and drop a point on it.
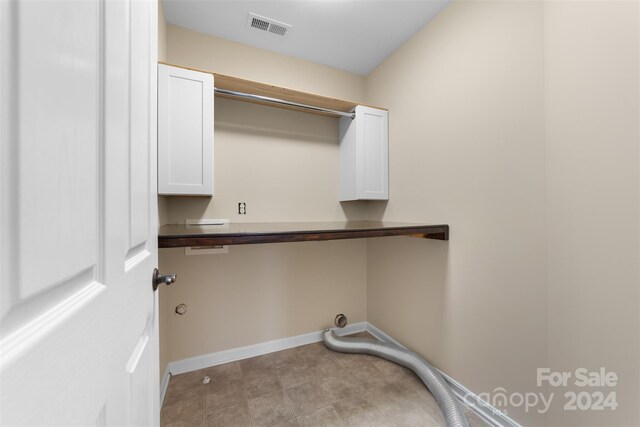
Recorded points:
(283, 102)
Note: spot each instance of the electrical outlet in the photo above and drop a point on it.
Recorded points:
(242, 208)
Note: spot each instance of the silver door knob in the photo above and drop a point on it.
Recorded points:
(158, 279)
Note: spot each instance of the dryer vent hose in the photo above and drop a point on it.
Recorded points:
(428, 374)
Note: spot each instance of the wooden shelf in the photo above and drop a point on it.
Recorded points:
(263, 89)
(177, 236)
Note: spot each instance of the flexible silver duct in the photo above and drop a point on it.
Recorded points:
(428, 374)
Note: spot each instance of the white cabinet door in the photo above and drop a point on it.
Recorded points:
(364, 155)
(185, 132)
(78, 222)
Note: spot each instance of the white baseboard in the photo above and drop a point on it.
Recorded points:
(226, 356)
(467, 397)
(487, 412)
(484, 410)
(164, 385)
(381, 335)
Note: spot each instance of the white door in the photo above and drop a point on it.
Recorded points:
(78, 213)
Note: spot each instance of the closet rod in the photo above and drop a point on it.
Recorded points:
(282, 102)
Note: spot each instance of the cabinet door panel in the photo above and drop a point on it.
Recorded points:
(185, 126)
(364, 155)
(374, 167)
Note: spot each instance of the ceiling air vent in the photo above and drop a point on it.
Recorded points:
(269, 25)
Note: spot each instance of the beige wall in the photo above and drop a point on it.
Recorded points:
(518, 123)
(199, 50)
(258, 293)
(162, 34)
(266, 157)
(592, 92)
(284, 165)
(466, 123)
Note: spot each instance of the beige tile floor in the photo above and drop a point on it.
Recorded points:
(303, 386)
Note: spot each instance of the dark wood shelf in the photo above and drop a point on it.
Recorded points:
(180, 235)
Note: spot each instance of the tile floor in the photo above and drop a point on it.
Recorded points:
(303, 386)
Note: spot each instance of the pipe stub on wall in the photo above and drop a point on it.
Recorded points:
(340, 320)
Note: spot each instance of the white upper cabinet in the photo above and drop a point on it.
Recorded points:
(185, 132)
(364, 155)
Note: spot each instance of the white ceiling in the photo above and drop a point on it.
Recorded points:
(351, 35)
